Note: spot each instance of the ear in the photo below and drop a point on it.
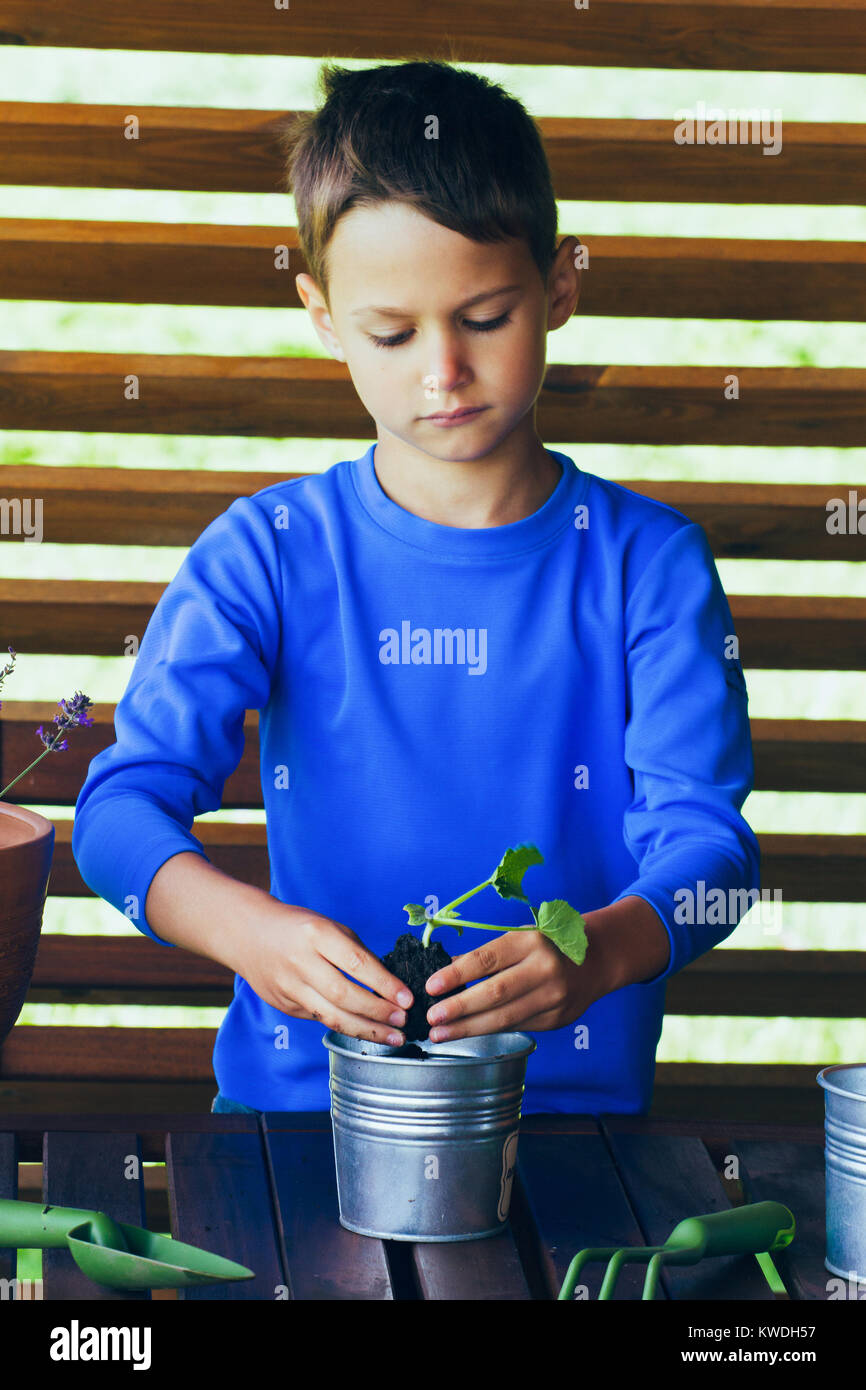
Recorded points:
(563, 285)
(314, 303)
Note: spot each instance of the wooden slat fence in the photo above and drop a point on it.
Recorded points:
(224, 150)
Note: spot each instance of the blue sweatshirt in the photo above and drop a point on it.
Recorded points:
(430, 696)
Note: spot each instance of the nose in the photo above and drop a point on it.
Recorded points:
(448, 369)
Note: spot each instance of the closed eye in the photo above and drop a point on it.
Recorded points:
(477, 326)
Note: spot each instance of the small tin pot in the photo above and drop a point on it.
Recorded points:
(425, 1148)
(845, 1168)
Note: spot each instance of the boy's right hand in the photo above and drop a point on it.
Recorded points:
(293, 959)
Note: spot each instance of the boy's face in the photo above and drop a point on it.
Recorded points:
(447, 354)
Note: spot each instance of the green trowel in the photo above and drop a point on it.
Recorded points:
(110, 1252)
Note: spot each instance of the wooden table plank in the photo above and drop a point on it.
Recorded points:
(793, 1174)
(8, 1188)
(221, 1201)
(322, 1259)
(574, 1199)
(667, 1179)
(471, 1270)
(89, 1170)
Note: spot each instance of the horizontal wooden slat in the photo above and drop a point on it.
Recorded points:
(229, 150)
(792, 35)
(29, 1127)
(313, 397)
(152, 1121)
(804, 868)
(37, 1055)
(807, 634)
(790, 755)
(814, 868)
(58, 779)
(125, 970)
(704, 1101)
(71, 1098)
(715, 1132)
(739, 1091)
(769, 983)
(163, 506)
(809, 755)
(71, 616)
(107, 1054)
(627, 276)
(726, 983)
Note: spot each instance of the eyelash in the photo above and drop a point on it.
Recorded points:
(477, 327)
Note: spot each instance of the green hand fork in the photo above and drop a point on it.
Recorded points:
(753, 1228)
(110, 1252)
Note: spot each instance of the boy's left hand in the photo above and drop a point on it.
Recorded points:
(531, 985)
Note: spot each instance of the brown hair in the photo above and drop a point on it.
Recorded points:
(486, 175)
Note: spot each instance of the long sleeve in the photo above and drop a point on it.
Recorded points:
(206, 657)
(688, 743)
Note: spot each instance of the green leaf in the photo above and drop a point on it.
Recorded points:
(565, 927)
(417, 915)
(507, 878)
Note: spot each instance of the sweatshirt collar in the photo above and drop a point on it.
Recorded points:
(537, 529)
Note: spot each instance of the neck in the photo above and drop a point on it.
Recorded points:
(469, 493)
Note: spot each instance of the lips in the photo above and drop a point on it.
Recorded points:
(455, 414)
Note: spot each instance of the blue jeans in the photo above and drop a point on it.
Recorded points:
(223, 1106)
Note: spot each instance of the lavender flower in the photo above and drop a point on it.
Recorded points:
(6, 671)
(72, 714)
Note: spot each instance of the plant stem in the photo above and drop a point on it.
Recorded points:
(434, 922)
(438, 920)
(26, 770)
(470, 894)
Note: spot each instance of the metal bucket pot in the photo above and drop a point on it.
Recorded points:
(426, 1148)
(845, 1168)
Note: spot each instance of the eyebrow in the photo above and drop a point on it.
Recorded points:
(391, 312)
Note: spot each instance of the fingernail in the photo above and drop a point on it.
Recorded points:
(440, 1034)
(395, 1040)
(404, 998)
(398, 1018)
(434, 984)
(436, 1016)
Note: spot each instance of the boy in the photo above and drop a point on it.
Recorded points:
(458, 642)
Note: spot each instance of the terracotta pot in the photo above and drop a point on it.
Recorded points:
(26, 852)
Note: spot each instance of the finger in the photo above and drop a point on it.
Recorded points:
(500, 1020)
(492, 993)
(493, 955)
(324, 1011)
(350, 954)
(344, 994)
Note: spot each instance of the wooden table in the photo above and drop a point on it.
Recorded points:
(263, 1192)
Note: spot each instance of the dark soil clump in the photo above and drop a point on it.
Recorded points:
(413, 963)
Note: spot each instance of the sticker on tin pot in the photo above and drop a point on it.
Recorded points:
(509, 1162)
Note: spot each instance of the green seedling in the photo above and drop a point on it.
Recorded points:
(557, 919)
